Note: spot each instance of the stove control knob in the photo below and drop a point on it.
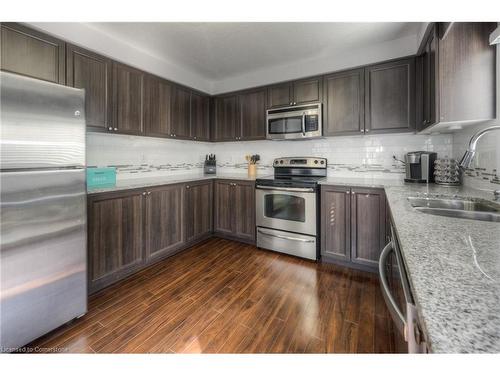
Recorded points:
(315, 162)
(281, 161)
(276, 162)
(322, 162)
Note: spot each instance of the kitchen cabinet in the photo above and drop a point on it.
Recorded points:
(295, 93)
(31, 53)
(226, 121)
(157, 106)
(252, 109)
(344, 98)
(94, 73)
(198, 208)
(115, 237)
(234, 209)
(353, 225)
(200, 120)
(165, 229)
(335, 223)
(458, 74)
(390, 96)
(181, 113)
(127, 99)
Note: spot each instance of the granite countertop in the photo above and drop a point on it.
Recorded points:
(137, 183)
(454, 270)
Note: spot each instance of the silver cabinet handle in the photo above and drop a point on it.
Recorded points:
(291, 103)
(110, 128)
(298, 190)
(115, 129)
(143, 193)
(285, 237)
(394, 310)
(348, 192)
(362, 130)
(187, 186)
(367, 130)
(149, 193)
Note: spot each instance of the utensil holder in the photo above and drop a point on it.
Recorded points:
(252, 170)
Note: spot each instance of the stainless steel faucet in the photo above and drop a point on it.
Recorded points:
(469, 154)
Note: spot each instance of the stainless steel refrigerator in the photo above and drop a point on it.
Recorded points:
(43, 221)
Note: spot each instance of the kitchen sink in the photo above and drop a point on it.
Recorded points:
(465, 208)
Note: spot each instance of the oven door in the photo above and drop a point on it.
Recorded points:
(288, 209)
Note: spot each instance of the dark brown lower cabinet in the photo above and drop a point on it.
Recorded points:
(353, 225)
(198, 210)
(234, 209)
(115, 237)
(164, 220)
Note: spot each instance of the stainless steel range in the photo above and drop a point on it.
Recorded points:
(287, 206)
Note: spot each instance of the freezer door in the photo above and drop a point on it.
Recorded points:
(43, 124)
(42, 253)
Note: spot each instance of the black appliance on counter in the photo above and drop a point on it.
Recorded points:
(420, 166)
(287, 206)
(210, 165)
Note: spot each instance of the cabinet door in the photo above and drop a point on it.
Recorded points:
(31, 53)
(308, 91)
(200, 121)
(199, 214)
(157, 101)
(367, 225)
(390, 96)
(223, 207)
(127, 99)
(181, 112)
(115, 237)
(94, 73)
(226, 121)
(335, 222)
(164, 220)
(344, 103)
(429, 81)
(253, 115)
(244, 210)
(280, 95)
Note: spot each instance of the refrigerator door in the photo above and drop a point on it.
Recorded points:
(43, 124)
(42, 252)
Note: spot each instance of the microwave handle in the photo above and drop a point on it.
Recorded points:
(394, 310)
(304, 124)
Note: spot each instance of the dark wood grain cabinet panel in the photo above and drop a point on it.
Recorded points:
(252, 109)
(244, 210)
(368, 220)
(115, 237)
(234, 209)
(31, 53)
(157, 106)
(307, 91)
(164, 220)
(199, 214)
(94, 73)
(181, 112)
(335, 223)
(127, 99)
(226, 121)
(344, 103)
(280, 95)
(390, 96)
(200, 120)
(429, 81)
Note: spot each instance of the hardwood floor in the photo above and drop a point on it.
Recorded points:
(227, 297)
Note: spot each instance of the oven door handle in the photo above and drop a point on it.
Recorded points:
(394, 310)
(298, 190)
(284, 237)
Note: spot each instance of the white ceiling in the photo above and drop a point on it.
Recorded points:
(233, 55)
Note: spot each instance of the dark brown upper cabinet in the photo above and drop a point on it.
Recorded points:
(226, 121)
(127, 99)
(344, 110)
(457, 80)
(198, 208)
(390, 96)
(295, 93)
(200, 117)
(164, 220)
(94, 73)
(31, 53)
(157, 106)
(181, 113)
(252, 109)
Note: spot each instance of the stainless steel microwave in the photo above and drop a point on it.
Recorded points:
(297, 122)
